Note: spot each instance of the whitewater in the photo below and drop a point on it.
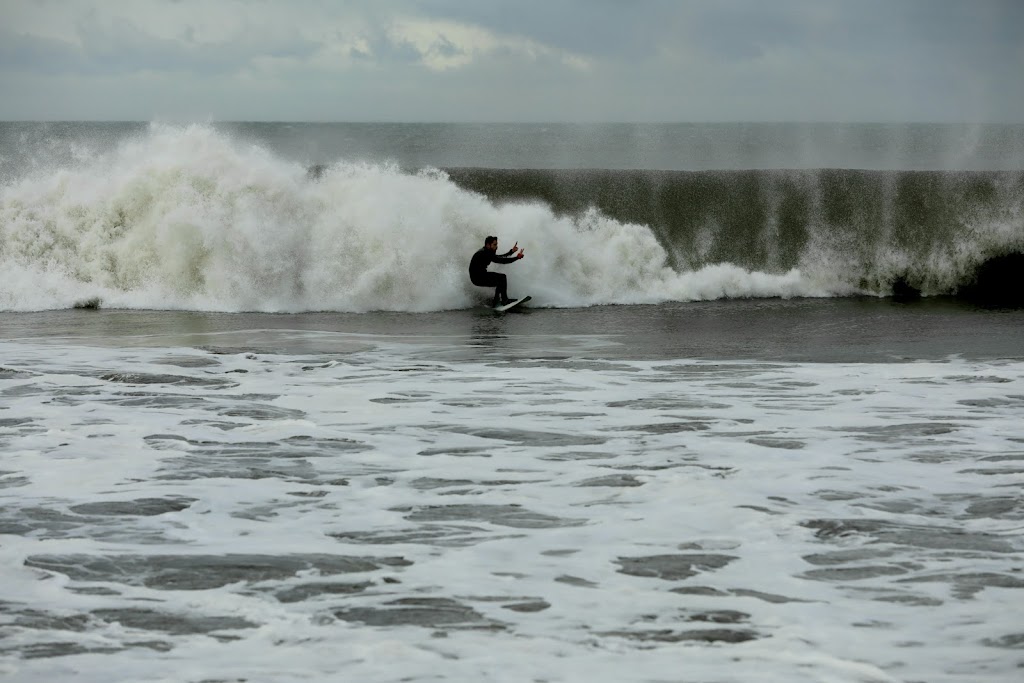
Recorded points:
(503, 509)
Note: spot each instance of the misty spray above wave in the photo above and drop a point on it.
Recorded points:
(189, 218)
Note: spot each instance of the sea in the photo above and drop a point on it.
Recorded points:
(762, 420)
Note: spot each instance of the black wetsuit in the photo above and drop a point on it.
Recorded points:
(481, 277)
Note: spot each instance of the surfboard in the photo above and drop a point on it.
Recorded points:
(512, 305)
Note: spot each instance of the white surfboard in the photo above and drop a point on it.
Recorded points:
(512, 304)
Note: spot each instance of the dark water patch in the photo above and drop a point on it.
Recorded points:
(222, 425)
(262, 412)
(901, 431)
(140, 507)
(777, 442)
(160, 401)
(966, 585)
(93, 590)
(58, 649)
(553, 362)
(772, 598)
(664, 427)
(668, 403)
(315, 590)
(1004, 457)
(1013, 641)
(249, 352)
(388, 400)
(918, 536)
(40, 522)
(22, 390)
(847, 556)
(92, 303)
(926, 508)
(721, 616)
(69, 397)
(441, 535)
(312, 494)
(217, 464)
(937, 457)
(994, 471)
(854, 573)
(903, 290)
(977, 379)
(563, 456)
(456, 452)
(672, 567)
(502, 515)
(287, 459)
(174, 624)
(475, 402)
(430, 483)
(200, 572)
(716, 635)
(429, 612)
(189, 361)
(995, 507)
(10, 480)
(829, 494)
(576, 581)
(568, 415)
(1012, 400)
(523, 437)
(11, 422)
(46, 621)
(528, 607)
(997, 281)
(175, 380)
(700, 590)
(903, 598)
(309, 445)
(615, 480)
(169, 440)
(12, 373)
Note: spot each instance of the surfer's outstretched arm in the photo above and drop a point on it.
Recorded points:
(506, 258)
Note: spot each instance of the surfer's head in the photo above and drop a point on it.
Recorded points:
(491, 242)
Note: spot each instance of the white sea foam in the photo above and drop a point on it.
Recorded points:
(189, 218)
(554, 520)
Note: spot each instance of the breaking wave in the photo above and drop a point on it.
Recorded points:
(192, 218)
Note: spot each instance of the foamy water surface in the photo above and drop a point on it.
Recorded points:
(403, 509)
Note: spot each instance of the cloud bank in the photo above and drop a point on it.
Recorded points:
(513, 60)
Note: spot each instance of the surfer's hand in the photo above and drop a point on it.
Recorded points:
(520, 254)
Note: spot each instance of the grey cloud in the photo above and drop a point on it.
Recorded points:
(37, 55)
(119, 47)
(597, 28)
(655, 59)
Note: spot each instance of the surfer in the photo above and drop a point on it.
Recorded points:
(481, 277)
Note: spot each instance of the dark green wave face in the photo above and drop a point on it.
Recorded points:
(878, 231)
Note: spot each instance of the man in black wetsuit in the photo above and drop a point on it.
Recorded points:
(481, 277)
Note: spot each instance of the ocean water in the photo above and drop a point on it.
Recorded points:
(761, 421)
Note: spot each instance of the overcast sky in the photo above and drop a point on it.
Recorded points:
(513, 60)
